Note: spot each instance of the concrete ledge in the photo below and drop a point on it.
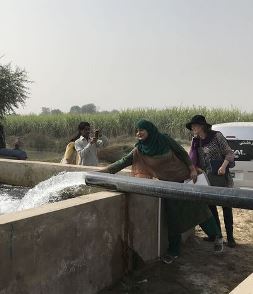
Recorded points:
(246, 287)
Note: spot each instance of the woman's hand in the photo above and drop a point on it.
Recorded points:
(193, 174)
(221, 171)
(199, 171)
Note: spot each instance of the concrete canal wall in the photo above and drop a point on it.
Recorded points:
(79, 245)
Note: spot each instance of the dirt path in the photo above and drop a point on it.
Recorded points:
(198, 270)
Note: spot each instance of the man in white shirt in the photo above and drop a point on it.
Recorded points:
(86, 146)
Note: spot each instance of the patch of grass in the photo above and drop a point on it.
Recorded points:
(44, 156)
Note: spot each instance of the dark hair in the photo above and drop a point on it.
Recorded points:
(80, 127)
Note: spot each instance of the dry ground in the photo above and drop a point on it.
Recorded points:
(198, 270)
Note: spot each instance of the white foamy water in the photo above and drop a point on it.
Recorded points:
(62, 186)
(52, 190)
(10, 197)
(8, 204)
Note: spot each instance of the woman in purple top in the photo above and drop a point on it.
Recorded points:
(211, 153)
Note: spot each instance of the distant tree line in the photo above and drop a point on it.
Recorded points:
(87, 108)
(75, 109)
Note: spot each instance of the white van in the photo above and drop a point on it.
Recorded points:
(240, 139)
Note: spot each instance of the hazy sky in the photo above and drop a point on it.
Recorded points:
(131, 53)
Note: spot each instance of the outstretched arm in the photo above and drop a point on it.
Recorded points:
(119, 165)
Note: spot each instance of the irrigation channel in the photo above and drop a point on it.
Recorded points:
(71, 184)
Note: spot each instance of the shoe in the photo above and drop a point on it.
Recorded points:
(168, 259)
(231, 243)
(209, 239)
(218, 245)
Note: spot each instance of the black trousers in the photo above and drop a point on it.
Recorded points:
(228, 219)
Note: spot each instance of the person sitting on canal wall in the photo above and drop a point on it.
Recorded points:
(211, 153)
(157, 155)
(87, 146)
(15, 153)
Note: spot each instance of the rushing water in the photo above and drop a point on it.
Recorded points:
(62, 186)
(10, 198)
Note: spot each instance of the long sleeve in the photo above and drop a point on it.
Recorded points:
(180, 152)
(120, 164)
(225, 149)
(82, 150)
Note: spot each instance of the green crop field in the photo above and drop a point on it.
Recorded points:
(171, 120)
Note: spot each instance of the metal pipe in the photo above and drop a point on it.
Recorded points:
(227, 197)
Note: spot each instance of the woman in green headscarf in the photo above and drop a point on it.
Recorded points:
(157, 155)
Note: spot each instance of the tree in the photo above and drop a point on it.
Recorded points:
(75, 109)
(89, 108)
(13, 88)
(45, 111)
(56, 111)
